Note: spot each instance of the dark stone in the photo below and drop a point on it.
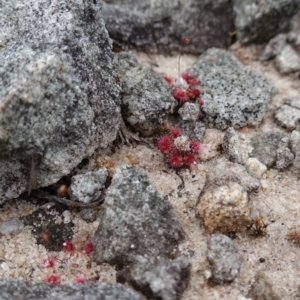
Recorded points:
(156, 278)
(224, 258)
(136, 221)
(16, 289)
(146, 97)
(258, 21)
(58, 91)
(160, 26)
(46, 230)
(266, 145)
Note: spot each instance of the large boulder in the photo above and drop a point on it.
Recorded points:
(160, 25)
(258, 21)
(59, 98)
(234, 95)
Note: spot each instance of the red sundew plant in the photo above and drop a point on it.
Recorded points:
(49, 262)
(69, 262)
(181, 150)
(53, 279)
(69, 247)
(88, 248)
(186, 86)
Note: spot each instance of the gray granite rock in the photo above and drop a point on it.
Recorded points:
(258, 21)
(274, 47)
(295, 145)
(16, 289)
(136, 221)
(160, 25)
(262, 289)
(288, 115)
(266, 145)
(234, 95)
(59, 96)
(157, 278)
(288, 61)
(87, 187)
(224, 258)
(284, 158)
(146, 97)
(231, 147)
(189, 111)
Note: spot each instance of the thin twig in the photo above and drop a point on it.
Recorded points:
(46, 196)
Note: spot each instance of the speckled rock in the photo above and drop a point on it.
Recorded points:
(295, 145)
(160, 25)
(136, 221)
(13, 226)
(225, 209)
(266, 145)
(87, 187)
(222, 171)
(258, 21)
(89, 215)
(288, 115)
(262, 289)
(234, 95)
(146, 97)
(158, 279)
(255, 168)
(284, 158)
(288, 61)
(224, 258)
(213, 144)
(274, 47)
(231, 147)
(189, 111)
(17, 289)
(59, 96)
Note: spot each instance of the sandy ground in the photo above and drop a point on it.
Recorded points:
(278, 200)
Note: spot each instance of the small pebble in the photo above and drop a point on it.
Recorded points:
(262, 260)
(89, 215)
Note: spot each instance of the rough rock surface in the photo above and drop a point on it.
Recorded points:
(222, 171)
(284, 158)
(87, 187)
(157, 278)
(136, 221)
(225, 209)
(231, 147)
(234, 95)
(258, 21)
(295, 145)
(224, 258)
(16, 289)
(189, 111)
(58, 91)
(288, 115)
(146, 97)
(274, 47)
(160, 25)
(288, 60)
(261, 289)
(266, 145)
(255, 168)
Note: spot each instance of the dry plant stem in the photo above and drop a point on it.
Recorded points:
(45, 196)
